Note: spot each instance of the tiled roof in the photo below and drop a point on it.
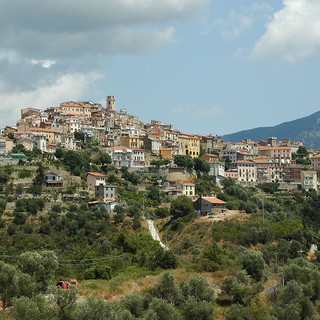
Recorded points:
(45, 130)
(213, 200)
(274, 148)
(211, 155)
(244, 161)
(96, 174)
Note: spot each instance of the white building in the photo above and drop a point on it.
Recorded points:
(138, 160)
(40, 142)
(126, 157)
(309, 180)
(247, 170)
(217, 170)
(188, 189)
(120, 156)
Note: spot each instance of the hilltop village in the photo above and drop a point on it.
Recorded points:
(135, 145)
(105, 217)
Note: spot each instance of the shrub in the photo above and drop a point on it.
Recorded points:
(98, 272)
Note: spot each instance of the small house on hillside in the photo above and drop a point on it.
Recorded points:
(53, 180)
(109, 205)
(106, 192)
(95, 179)
(188, 189)
(209, 205)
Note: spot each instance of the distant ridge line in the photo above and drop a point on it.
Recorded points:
(306, 129)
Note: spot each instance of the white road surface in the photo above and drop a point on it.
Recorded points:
(154, 234)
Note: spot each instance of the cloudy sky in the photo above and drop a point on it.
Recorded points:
(207, 66)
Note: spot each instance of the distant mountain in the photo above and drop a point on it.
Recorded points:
(305, 129)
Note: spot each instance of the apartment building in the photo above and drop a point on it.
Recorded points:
(189, 145)
(247, 170)
(315, 162)
(126, 157)
(279, 155)
(309, 180)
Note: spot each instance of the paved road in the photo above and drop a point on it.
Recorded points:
(154, 234)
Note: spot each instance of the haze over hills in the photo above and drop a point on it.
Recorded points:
(306, 129)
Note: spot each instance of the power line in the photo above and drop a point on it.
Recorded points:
(73, 261)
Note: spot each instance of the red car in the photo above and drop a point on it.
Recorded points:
(73, 282)
(67, 284)
(63, 284)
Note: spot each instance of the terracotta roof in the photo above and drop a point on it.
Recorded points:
(263, 157)
(274, 148)
(261, 161)
(189, 135)
(45, 130)
(213, 200)
(244, 161)
(188, 184)
(211, 155)
(96, 174)
(317, 156)
(246, 153)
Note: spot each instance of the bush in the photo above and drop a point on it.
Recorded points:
(98, 272)
(253, 263)
(24, 173)
(182, 207)
(162, 212)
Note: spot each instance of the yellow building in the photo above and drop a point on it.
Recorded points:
(189, 144)
(131, 141)
(209, 157)
(166, 153)
(52, 136)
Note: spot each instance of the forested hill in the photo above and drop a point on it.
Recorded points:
(305, 129)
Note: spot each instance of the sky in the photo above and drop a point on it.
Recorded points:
(207, 66)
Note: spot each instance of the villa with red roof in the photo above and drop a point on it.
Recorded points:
(95, 179)
(209, 205)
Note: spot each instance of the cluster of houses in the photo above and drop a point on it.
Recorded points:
(107, 194)
(127, 140)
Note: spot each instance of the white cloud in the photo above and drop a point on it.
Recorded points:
(237, 24)
(80, 35)
(293, 33)
(44, 63)
(67, 87)
(209, 111)
(242, 19)
(77, 27)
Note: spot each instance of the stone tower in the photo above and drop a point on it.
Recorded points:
(111, 103)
